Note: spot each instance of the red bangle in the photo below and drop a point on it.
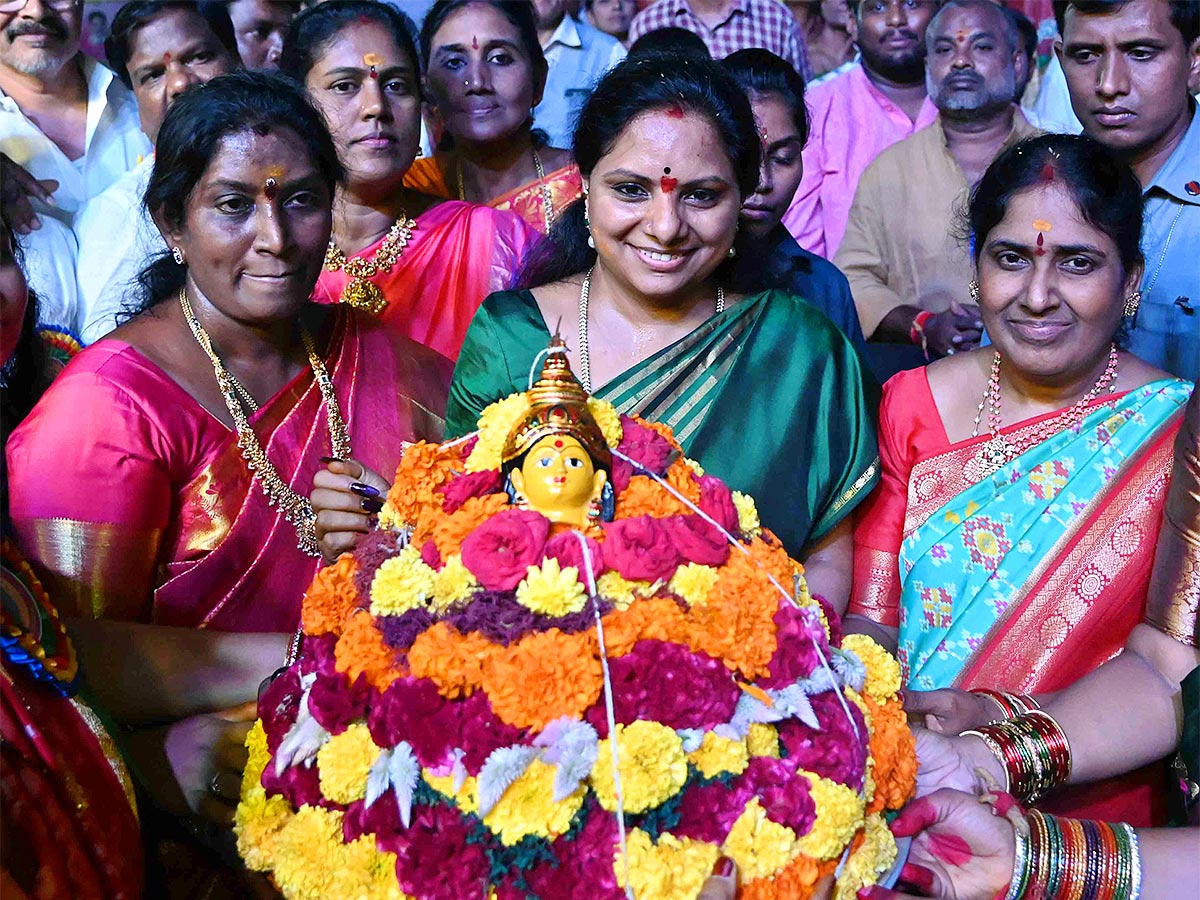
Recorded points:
(916, 333)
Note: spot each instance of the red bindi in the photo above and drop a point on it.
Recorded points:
(271, 188)
(668, 184)
(474, 42)
(1041, 241)
(558, 444)
(675, 111)
(167, 57)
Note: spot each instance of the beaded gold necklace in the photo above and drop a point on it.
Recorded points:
(359, 291)
(296, 509)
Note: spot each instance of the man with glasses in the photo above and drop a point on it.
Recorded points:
(68, 127)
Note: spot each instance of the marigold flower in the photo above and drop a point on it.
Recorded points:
(759, 846)
(763, 740)
(665, 869)
(748, 520)
(307, 852)
(795, 881)
(453, 584)
(644, 496)
(495, 423)
(543, 677)
(424, 468)
(873, 857)
(449, 531)
(883, 671)
(839, 816)
(452, 661)
(528, 807)
(894, 751)
(607, 418)
(330, 598)
(362, 650)
(620, 590)
(551, 590)
(719, 755)
(652, 767)
(344, 762)
(693, 582)
(402, 583)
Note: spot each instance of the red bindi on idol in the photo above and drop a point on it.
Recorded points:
(558, 444)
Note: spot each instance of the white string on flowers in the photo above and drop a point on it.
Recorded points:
(609, 709)
(638, 467)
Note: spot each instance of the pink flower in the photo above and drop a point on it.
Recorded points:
(785, 796)
(500, 550)
(430, 555)
(799, 644)
(640, 549)
(436, 858)
(412, 710)
(697, 540)
(668, 683)
(708, 811)
(644, 445)
(463, 487)
(832, 751)
(336, 704)
(299, 785)
(279, 704)
(584, 869)
(717, 500)
(566, 549)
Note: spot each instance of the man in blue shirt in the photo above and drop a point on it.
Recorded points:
(578, 55)
(1127, 67)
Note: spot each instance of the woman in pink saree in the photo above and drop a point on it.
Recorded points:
(1010, 542)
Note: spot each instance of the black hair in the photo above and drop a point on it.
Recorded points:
(132, 16)
(1104, 188)
(1012, 34)
(853, 5)
(520, 14)
(190, 137)
(1185, 14)
(1028, 32)
(677, 42)
(762, 72)
(312, 31)
(636, 86)
(26, 373)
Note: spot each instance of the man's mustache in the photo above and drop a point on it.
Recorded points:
(972, 78)
(47, 25)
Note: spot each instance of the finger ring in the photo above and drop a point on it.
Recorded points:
(949, 351)
(214, 784)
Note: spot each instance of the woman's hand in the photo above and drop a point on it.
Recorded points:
(949, 711)
(951, 762)
(962, 849)
(346, 496)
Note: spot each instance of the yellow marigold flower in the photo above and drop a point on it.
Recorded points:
(748, 521)
(465, 798)
(402, 583)
(608, 419)
(257, 759)
(495, 422)
(763, 740)
(875, 855)
(693, 583)
(621, 591)
(257, 823)
(389, 518)
(307, 853)
(759, 846)
(697, 469)
(552, 590)
(453, 584)
(854, 697)
(652, 767)
(366, 873)
(666, 870)
(839, 816)
(528, 807)
(344, 762)
(718, 755)
(883, 672)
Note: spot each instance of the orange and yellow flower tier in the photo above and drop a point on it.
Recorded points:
(447, 731)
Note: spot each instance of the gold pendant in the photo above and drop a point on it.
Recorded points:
(362, 294)
(992, 456)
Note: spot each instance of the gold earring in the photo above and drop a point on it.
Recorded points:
(973, 290)
(587, 223)
(1132, 302)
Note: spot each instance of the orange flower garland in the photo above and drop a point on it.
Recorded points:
(330, 598)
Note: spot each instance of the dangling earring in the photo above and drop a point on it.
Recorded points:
(732, 252)
(177, 255)
(587, 223)
(1131, 303)
(973, 290)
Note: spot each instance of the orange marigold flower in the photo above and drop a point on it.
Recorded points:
(664, 430)
(646, 497)
(330, 598)
(681, 477)
(737, 623)
(452, 661)
(795, 882)
(362, 650)
(543, 677)
(423, 469)
(449, 531)
(894, 750)
(659, 619)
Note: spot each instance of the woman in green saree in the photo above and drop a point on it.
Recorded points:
(761, 390)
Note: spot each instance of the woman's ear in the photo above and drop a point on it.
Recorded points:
(174, 236)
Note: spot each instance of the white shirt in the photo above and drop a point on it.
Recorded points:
(116, 239)
(114, 143)
(50, 270)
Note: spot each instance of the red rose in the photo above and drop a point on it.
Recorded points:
(463, 487)
(717, 500)
(640, 549)
(500, 550)
(566, 549)
(697, 541)
(644, 446)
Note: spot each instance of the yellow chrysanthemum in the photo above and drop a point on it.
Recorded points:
(883, 671)
(875, 855)
(652, 767)
(551, 590)
(763, 740)
(344, 762)
(759, 846)
(839, 816)
(402, 583)
(257, 824)
(697, 469)
(748, 521)
(389, 518)
(668, 869)
(693, 582)
(528, 807)
(718, 755)
(495, 422)
(465, 798)
(257, 757)
(608, 419)
(453, 584)
(307, 853)
(621, 591)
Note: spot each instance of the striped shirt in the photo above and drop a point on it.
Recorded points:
(747, 23)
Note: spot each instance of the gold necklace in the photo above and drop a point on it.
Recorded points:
(585, 356)
(359, 292)
(547, 198)
(295, 508)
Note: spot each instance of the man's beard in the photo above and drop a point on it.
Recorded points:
(906, 69)
(35, 62)
(982, 99)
